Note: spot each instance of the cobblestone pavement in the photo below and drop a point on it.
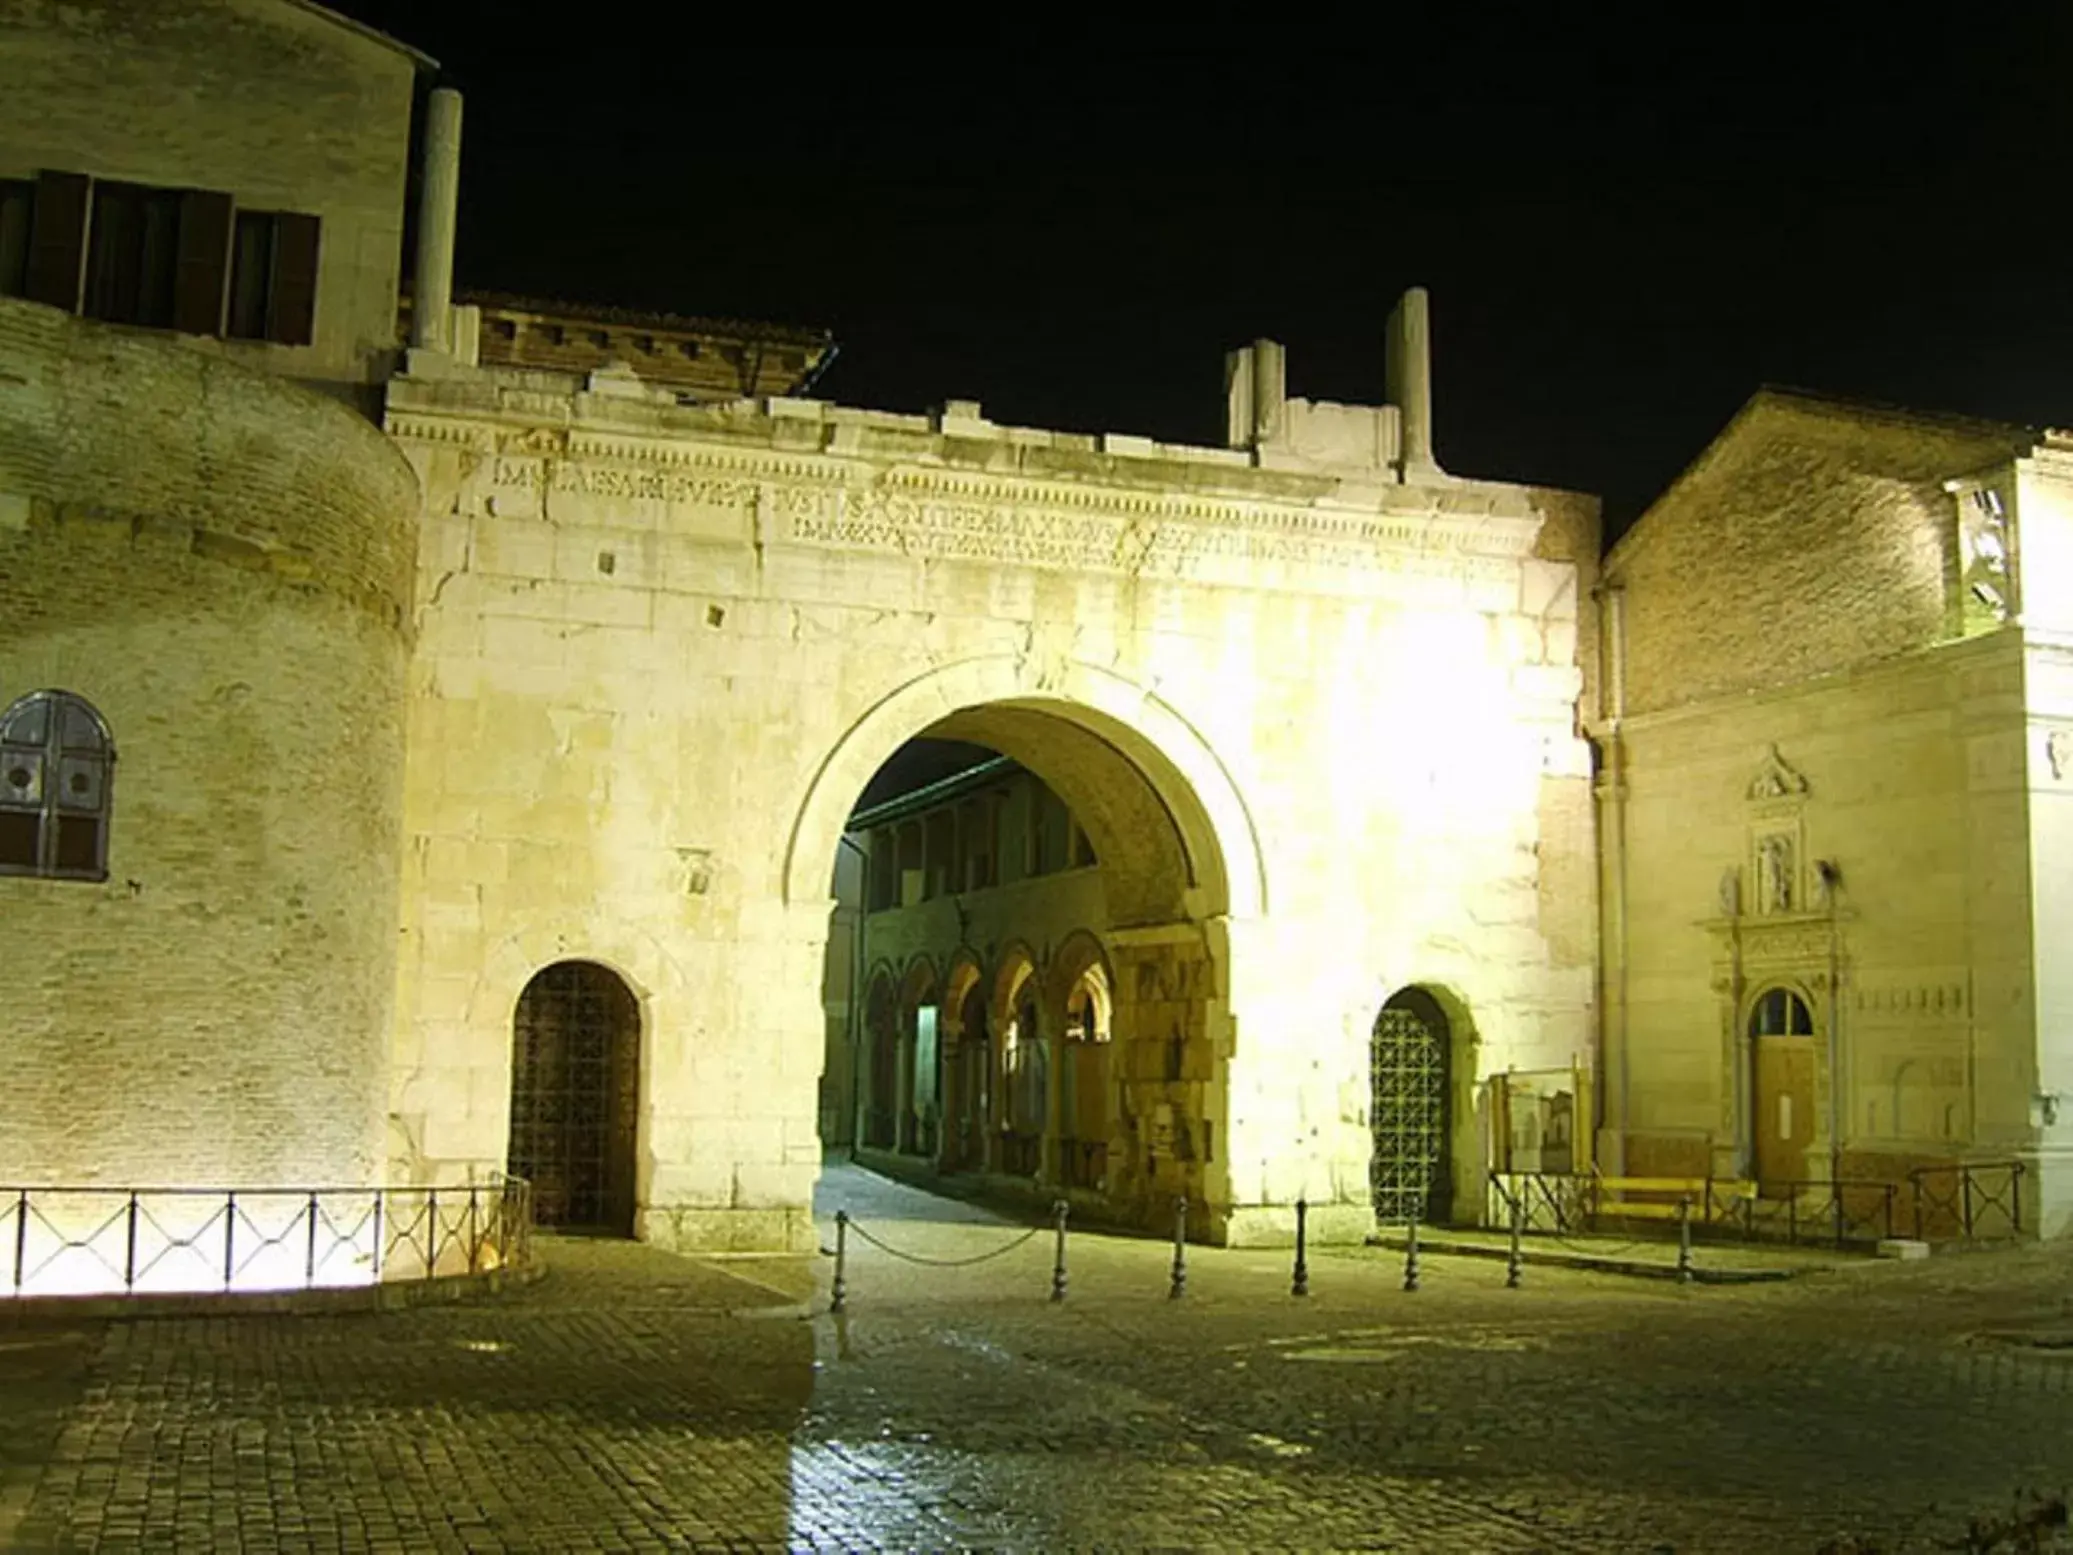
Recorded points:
(636, 1401)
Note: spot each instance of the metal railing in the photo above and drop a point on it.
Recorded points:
(1083, 1162)
(1972, 1200)
(1819, 1210)
(1021, 1155)
(1976, 1200)
(66, 1241)
(1549, 1203)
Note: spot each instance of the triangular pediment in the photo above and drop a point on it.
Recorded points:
(1776, 778)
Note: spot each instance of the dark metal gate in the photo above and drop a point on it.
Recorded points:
(1408, 1061)
(575, 1086)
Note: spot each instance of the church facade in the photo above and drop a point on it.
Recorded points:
(435, 748)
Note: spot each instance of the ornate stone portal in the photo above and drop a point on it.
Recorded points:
(1790, 942)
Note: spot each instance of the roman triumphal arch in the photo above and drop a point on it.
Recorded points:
(1312, 699)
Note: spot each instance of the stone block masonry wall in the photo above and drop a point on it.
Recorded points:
(267, 101)
(1915, 789)
(220, 564)
(662, 650)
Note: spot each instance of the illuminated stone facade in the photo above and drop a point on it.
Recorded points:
(218, 562)
(1297, 719)
(662, 649)
(1836, 696)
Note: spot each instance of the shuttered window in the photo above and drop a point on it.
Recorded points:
(273, 280)
(17, 205)
(133, 255)
(57, 239)
(204, 262)
(183, 259)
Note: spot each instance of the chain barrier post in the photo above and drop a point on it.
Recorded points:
(21, 1236)
(1411, 1254)
(1514, 1263)
(1180, 1249)
(1061, 1209)
(1684, 1240)
(838, 1294)
(1300, 1286)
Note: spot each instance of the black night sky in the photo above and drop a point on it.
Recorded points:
(1624, 234)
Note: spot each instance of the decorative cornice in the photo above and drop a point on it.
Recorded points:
(1342, 537)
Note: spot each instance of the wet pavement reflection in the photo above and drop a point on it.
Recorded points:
(633, 1401)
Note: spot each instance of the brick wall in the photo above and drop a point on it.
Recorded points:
(219, 563)
(1810, 537)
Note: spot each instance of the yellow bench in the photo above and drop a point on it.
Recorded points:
(1711, 1197)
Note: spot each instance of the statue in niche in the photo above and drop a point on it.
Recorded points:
(1731, 892)
(2058, 750)
(1774, 874)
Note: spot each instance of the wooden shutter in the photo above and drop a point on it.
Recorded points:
(57, 239)
(205, 218)
(294, 313)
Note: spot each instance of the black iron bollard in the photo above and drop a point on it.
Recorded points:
(1180, 1249)
(1411, 1254)
(838, 1297)
(1684, 1240)
(1300, 1286)
(1061, 1210)
(1514, 1265)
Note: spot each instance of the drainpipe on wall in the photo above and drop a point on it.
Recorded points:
(1614, 717)
(1831, 883)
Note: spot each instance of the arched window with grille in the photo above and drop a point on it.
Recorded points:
(57, 765)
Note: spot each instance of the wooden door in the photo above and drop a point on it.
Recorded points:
(1784, 1107)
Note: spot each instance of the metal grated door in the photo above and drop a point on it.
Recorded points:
(1408, 1059)
(574, 1089)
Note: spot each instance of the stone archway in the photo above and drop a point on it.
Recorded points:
(1083, 999)
(965, 1087)
(1181, 864)
(575, 1096)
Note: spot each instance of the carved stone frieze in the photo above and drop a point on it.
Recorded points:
(933, 512)
(1776, 943)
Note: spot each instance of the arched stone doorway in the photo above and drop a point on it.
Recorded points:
(1086, 1110)
(921, 1061)
(1025, 1069)
(1782, 1059)
(575, 1096)
(1410, 1053)
(965, 1081)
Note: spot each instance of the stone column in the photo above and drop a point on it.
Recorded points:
(1269, 390)
(1054, 1095)
(439, 198)
(1408, 371)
